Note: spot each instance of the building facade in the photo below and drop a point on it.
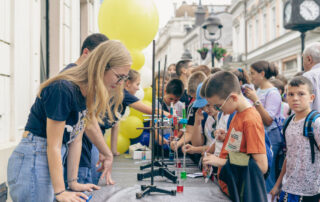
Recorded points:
(258, 34)
(184, 31)
(37, 39)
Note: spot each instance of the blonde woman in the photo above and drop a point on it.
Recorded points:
(67, 104)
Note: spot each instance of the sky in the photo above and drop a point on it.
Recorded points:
(165, 7)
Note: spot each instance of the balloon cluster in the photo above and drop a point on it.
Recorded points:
(135, 23)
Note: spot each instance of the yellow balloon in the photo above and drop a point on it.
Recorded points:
(147, 102)
(128, 127)
(134, 22)
(107, 133)
(137, 114)
(148, 94)
(123, 143)
(138, 59)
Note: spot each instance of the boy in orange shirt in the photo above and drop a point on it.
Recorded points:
(246, 132)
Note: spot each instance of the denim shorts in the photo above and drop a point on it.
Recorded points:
(28, 171)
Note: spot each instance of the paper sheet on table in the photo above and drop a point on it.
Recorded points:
(194, 175)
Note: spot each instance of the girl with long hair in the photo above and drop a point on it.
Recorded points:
(66, 105)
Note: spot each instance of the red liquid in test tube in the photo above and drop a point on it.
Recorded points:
(179, 188)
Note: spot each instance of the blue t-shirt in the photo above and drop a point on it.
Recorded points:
(60, 101)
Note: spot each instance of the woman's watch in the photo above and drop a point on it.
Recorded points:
(257, 103)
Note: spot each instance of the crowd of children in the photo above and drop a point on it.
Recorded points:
(238, 125)
(260, 134)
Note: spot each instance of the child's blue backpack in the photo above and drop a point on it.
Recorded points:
(268, 152)
(229, 119)
(307, 129)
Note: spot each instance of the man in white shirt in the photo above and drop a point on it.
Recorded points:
(311, 64)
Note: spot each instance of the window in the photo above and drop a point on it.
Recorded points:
(44, 42)
(264, 28)
(282, 30)
(237, 38)
(250, 31)
(273, 25)
(256, 39)
(290, 65)
(66, 30)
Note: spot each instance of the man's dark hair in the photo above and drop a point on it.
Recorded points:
(92, 41)
(222, 83)
(301, 80)
(175, 87)
(180, 65)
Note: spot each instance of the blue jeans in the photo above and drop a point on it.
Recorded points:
(276, 143)
(84, 175)
(28, 171)
(94, 160)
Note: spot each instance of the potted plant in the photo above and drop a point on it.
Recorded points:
(219, 52)
(203, 52)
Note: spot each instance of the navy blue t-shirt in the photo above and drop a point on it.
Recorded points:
(186, 98)
(60, 101)
(69, 66)
(192, 115)
(85, 159)
(128, 99)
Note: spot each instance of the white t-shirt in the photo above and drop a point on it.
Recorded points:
(178, 106)
(302, 176)
(208, 130)
(221, 124)
(314, 76)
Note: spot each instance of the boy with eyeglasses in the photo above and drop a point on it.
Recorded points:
(244, 143)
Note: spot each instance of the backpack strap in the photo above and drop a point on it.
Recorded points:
(285, 125)
(219, 115)
(230, 119)
(308, 131)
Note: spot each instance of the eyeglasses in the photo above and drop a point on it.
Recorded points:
(220, 108)
(120, 77)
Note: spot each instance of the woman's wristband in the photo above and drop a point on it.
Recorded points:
(72, 180)
(57, 194)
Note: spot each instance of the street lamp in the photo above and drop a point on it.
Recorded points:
(211, 26)
(186, 55)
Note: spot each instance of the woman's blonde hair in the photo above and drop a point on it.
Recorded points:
(90, 74)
